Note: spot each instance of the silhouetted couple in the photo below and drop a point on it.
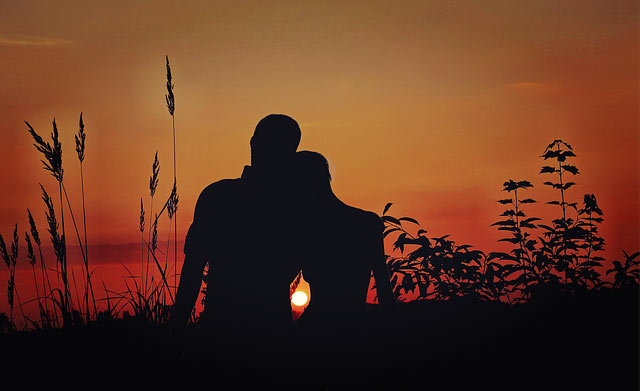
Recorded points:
(257, 232)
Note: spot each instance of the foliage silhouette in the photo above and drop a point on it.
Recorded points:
(438, 268)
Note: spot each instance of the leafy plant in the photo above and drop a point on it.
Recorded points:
(563, 236)
(627, 274)
(438, 268)
(515, 222)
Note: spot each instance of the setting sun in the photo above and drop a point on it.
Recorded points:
(299, 298)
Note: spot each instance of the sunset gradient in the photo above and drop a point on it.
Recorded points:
(431, 105)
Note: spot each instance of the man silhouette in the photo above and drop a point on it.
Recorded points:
(237, 230)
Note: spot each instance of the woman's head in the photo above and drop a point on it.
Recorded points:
(312, 174)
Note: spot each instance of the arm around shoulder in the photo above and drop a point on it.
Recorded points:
(384, 291)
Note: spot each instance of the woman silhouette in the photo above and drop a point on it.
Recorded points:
(341, 246)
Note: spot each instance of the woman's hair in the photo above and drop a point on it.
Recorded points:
(312, 170)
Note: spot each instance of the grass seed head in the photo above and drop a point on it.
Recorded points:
(172, 205)
(169, 97)
(155, 171)
(52, 154)
(30, 255)
(4, 253)
(141, 216)
(34, 229)
(10, 289)
(80, 139)
(154, 237)
(14, 246)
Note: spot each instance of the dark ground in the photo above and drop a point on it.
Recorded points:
(584, 342)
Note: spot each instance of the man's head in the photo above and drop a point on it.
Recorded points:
(275, 140)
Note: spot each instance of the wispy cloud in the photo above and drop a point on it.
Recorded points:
(30, 40)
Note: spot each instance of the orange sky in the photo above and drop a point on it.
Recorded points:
(430, 105)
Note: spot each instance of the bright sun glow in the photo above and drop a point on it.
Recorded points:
(299, 298)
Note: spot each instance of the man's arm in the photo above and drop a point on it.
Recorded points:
(188, 290)
(193, 266)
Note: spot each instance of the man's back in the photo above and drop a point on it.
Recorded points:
(235, 228)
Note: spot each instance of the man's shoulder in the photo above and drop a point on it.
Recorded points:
(222, 185)
(219, 192)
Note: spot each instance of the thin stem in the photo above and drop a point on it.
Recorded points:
(35, 282)
(15, 291)
(12, 281)
(45, 276)
(64, 259)
(73, 278)
(175, 232)
(564, 215)
(166, 258)
(82, 249)
(164, 279)
(141, 256)
(146, 274)
(86, 251)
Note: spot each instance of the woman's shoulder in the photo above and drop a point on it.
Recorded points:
(364, 217)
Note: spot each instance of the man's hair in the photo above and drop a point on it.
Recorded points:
(275, 138)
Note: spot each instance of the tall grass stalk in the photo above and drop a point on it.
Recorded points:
(153, 185)
(171, 106)
(80, 150)
(53, 164)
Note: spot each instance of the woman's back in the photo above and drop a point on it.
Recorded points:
(338, 267)
(339, 247)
